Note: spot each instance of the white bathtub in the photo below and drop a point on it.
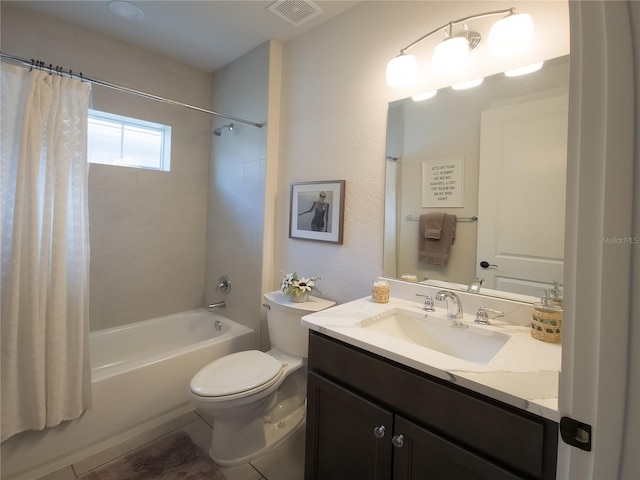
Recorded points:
(140, 379)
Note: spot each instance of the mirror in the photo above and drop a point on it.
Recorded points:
(502, 146)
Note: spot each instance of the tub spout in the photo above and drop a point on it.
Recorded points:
(216, 305)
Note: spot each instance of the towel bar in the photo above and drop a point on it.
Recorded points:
(415, 218)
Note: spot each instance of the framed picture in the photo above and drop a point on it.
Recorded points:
(317, 211)
(443, 182)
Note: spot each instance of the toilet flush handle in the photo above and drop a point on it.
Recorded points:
(267, 306)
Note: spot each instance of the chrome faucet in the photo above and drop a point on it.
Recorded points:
(484, 314)
(450, 298)
(216, 305)
(428, 302)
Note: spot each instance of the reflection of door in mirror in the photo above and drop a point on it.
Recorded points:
(521, 196)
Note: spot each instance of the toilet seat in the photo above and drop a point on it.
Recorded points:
(237, 375)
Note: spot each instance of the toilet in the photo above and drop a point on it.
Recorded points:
(257, 399)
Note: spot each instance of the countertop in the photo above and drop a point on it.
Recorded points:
(524, 373)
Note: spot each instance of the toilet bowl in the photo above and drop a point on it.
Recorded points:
(257, 399)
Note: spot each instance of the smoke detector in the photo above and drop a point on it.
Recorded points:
(296, 12)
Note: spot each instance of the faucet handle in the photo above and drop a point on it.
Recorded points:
(428, 302)
(485, 313)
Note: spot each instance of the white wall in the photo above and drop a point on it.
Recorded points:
(147, 228)
(334, 119)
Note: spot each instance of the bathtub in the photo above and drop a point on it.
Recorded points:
(140, 376)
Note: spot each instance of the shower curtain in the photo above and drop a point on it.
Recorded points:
(46, 375)
(390, 267)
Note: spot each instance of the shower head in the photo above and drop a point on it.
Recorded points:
(218, 131)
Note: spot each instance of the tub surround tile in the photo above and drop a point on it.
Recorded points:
(112, 178)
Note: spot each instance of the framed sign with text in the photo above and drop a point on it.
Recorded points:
(443, 182)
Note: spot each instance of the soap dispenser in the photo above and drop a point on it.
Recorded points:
(546, 319)
(556, 293)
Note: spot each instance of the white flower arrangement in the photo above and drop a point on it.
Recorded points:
(295, 286)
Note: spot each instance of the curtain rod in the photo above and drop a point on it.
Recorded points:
(79, 76)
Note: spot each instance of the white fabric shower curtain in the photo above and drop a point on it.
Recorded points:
(390, 267)
(46, 375)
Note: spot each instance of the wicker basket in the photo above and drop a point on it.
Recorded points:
(546, 326)
(380, 291)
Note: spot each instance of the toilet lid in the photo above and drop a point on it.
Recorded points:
(235, 373)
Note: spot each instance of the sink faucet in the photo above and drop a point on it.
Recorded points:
(450, 298)
(484, 314)
(216, 305)
(428, 302)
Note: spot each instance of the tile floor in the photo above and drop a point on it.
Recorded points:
(285, 462)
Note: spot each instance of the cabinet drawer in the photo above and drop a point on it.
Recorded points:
(517, 439)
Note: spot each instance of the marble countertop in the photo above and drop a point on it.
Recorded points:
(524, 373)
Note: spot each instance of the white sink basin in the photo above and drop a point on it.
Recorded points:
(437, 332)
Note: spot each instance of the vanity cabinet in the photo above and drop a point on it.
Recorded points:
(371, 418)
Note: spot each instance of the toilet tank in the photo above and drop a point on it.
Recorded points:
(284, 319)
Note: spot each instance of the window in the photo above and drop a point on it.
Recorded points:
(129, 142)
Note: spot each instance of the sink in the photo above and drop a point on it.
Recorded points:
(438, 332)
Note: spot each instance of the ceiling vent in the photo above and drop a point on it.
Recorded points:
(296, 12)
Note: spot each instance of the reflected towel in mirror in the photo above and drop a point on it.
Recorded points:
(436, 251)
(433, 225)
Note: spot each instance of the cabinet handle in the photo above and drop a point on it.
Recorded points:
(378, 432)
(398, 441)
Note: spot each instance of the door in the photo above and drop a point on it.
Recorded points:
(348, 437)
(521, 199)
(422, 455)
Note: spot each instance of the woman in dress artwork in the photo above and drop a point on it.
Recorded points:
(320, 209)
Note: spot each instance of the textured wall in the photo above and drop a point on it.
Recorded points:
(147, 228)
(334, 119)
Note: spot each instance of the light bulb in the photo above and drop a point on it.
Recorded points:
(424, 96)
(513, 34)
(516, 72)
(450, 55)
(402, 71)
(468, 84)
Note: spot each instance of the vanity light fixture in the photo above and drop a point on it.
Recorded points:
(424, 96)
(450, 55)
(516, 72)
(511, 34)
(468, 84)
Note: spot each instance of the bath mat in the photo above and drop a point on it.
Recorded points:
(169, 458)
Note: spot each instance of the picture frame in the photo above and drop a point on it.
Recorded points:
(443, 182)
(317, 211)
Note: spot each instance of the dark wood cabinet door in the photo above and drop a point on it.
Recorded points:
(426, 456)
(344, 440)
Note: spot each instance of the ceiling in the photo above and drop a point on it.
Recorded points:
(206, 34)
